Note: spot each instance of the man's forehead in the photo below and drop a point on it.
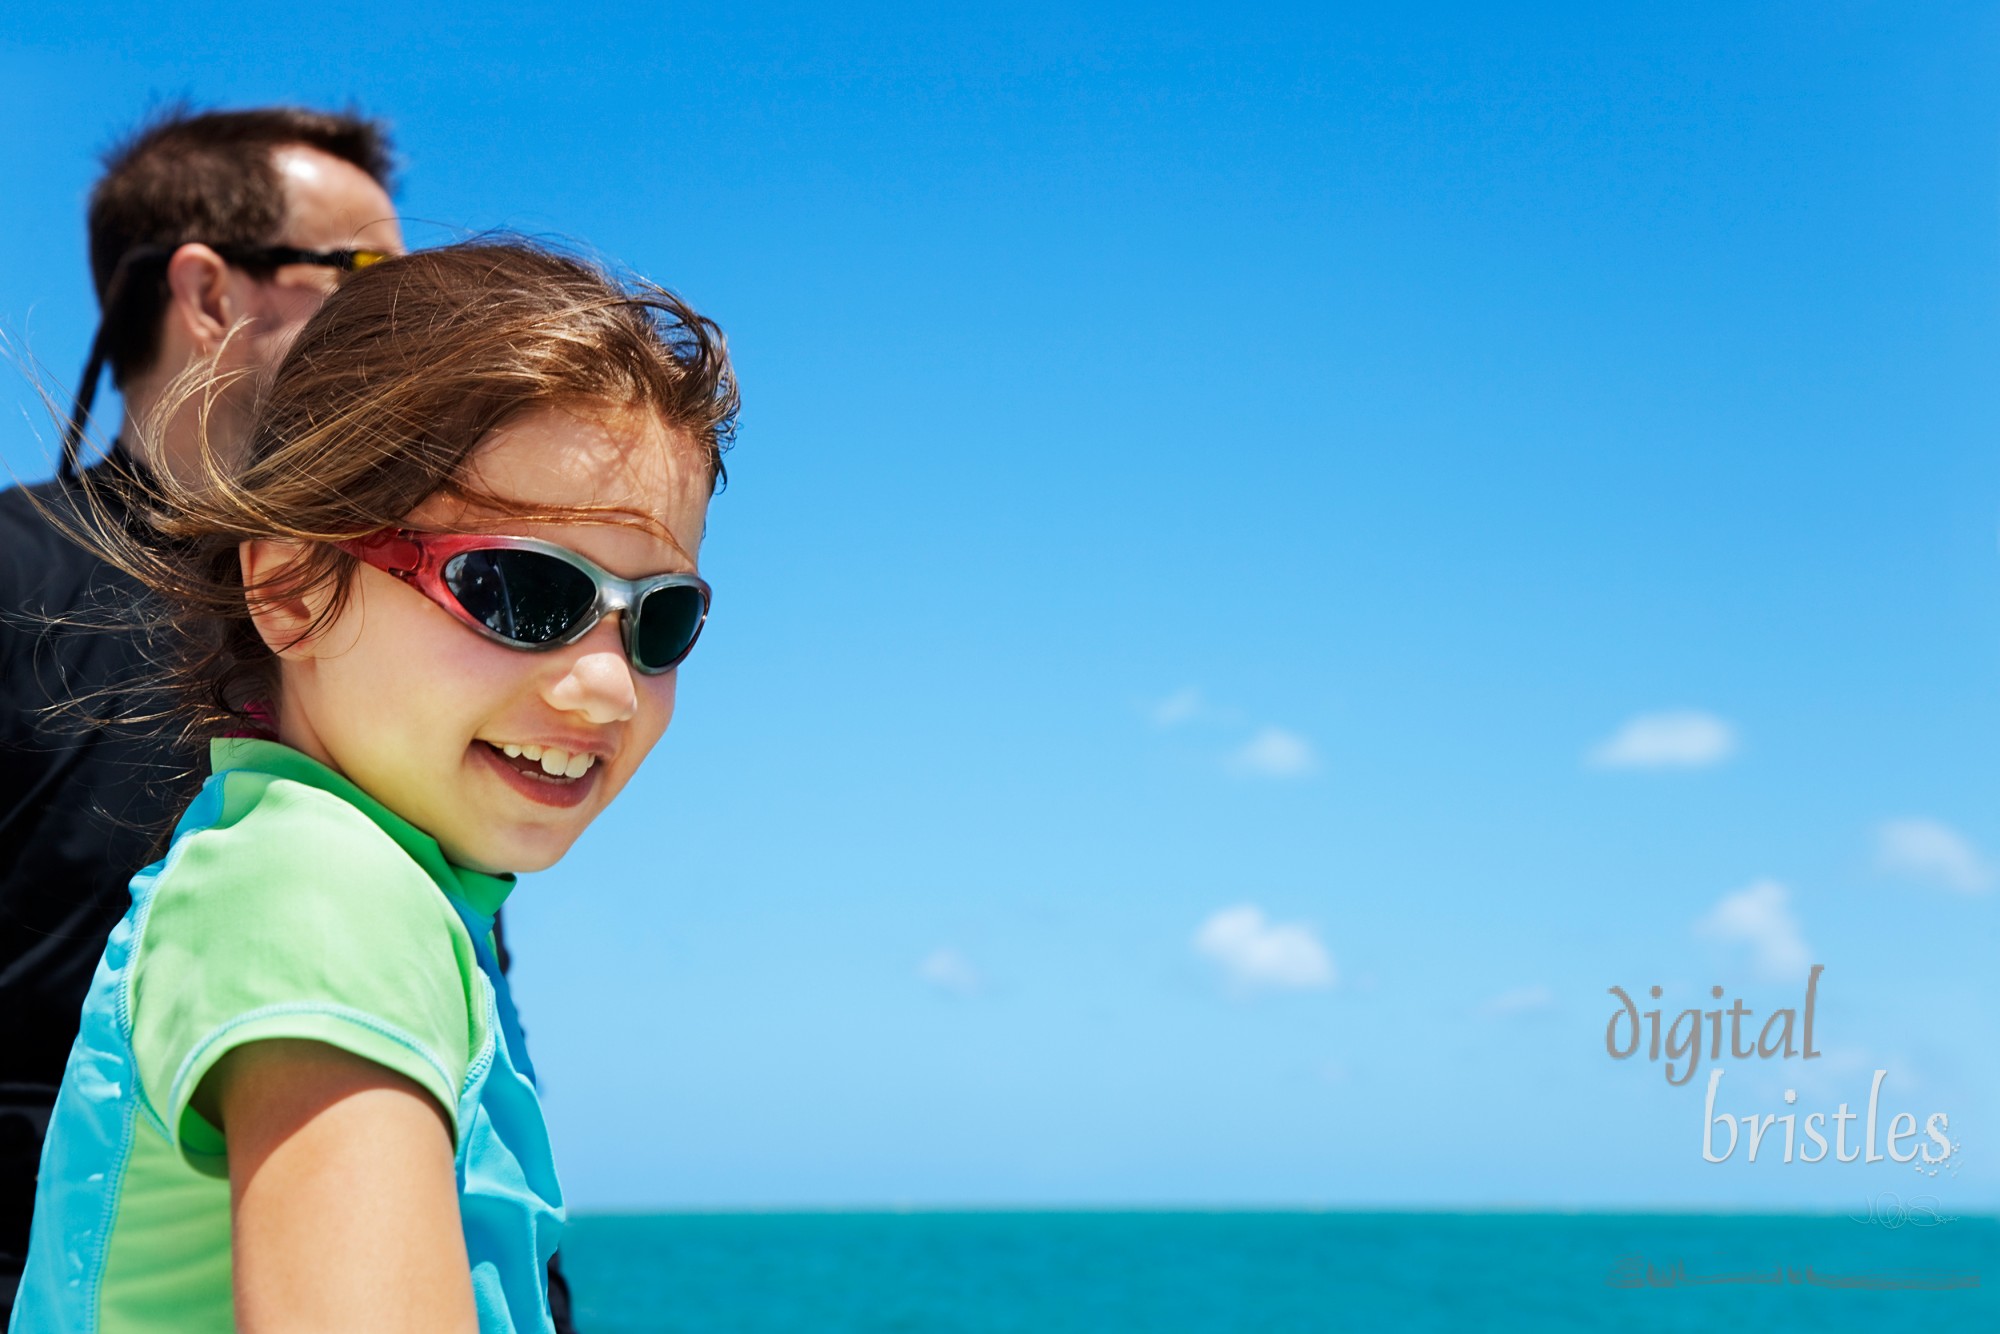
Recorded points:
(331, 203)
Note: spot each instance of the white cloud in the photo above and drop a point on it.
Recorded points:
(1177, 708)
(1519, 1000)
(1255, 952)
(1682, 739)
(1758, 919)
(1929, 850)
(949, 971)
(1274, 753)
(1267, 752)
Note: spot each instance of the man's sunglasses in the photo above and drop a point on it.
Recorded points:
(276, 256)
(257, 258)
(534, 595)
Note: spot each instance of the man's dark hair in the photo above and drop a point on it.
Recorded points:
(185, 176)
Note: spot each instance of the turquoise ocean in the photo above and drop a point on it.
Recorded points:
(1054, 1272)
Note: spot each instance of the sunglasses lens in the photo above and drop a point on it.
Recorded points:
(526, 596)
(669, 619)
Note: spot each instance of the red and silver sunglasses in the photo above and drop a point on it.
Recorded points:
(534, 595)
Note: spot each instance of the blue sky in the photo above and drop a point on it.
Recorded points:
(1202, 460)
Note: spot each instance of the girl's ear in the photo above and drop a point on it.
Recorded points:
(283, 623)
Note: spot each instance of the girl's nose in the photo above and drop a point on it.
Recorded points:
(599, 682)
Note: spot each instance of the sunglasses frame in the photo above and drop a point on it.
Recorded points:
(419, 559)
(277, 256)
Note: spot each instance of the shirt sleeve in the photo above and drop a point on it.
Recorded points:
(301, 919)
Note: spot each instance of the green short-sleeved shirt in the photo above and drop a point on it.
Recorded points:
(291, 905)
(330, 932)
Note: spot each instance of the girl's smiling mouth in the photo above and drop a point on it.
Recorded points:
(555, 761)
(548, 775)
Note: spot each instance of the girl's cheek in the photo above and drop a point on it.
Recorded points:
(656, 710)
(472, 665)
(661, 697)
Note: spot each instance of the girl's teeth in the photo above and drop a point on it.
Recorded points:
(554, 761)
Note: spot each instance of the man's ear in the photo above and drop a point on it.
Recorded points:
(285, 624)
(198, 296)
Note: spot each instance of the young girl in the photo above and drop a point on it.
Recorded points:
(431, 621)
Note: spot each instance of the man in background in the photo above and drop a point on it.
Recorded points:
(213, 237)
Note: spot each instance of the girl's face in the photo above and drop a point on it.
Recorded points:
(422, 712)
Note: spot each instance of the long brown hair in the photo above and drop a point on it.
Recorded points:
(376, 408)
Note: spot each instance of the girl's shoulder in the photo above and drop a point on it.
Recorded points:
(276, 850)
(286, 911)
